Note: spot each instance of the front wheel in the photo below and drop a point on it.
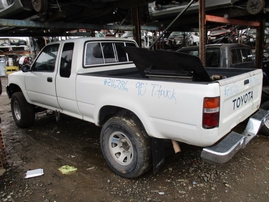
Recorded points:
(265, 128)
(126, 146)
(23, 113)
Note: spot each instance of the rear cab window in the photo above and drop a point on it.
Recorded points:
(213, 57)
(241, 56)
(105, 53)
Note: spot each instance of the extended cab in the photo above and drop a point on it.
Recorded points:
(139, 98)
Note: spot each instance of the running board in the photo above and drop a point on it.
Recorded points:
(224, 150)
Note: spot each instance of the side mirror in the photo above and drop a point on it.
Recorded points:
(25, 68)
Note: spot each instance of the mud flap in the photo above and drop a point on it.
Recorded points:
(158, 154)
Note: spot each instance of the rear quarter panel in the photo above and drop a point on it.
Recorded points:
(168, 110)
(173, 110)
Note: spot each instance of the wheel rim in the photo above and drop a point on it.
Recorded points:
(17, 110)
(255, 6)
(37, 5)
(40, 5)
(121, 148)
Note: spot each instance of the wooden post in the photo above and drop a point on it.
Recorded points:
(202, 29)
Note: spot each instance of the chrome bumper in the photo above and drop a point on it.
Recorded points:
(224, 150)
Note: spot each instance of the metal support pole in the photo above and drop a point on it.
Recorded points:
(137, 26)
(203, 34)
(259, 44)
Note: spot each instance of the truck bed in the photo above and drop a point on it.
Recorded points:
(168, 66)
(133, 73)
(228, 72)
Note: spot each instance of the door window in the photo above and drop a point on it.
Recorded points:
(46, 60)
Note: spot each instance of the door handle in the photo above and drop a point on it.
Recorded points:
(49, 79)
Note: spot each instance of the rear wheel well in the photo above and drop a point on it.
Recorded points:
(109, 111)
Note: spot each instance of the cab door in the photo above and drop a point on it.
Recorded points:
(66, 81)
(41, 80)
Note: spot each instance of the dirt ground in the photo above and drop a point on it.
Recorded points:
(184, 177)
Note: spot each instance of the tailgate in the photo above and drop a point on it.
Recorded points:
(240, 97)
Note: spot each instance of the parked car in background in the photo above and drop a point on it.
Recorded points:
(232, 55)
(93, 11)
(19, 42)
(193, 38)
(146, 37)
(179, 39)
(221, 35)
(162, 9)
(15, 8)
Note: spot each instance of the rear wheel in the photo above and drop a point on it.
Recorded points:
(126, 146)
(23, 113)
(265, 128)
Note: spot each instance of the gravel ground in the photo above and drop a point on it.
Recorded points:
(184, 177)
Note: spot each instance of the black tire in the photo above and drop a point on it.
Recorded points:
(265, 128)
(23, 113)
(255, 6)
(40, 6)
(126, 146)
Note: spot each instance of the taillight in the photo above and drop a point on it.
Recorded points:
(211, 112)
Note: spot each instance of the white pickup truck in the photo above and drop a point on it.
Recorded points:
(139, 98)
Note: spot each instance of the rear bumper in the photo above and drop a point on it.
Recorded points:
(224, 150)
